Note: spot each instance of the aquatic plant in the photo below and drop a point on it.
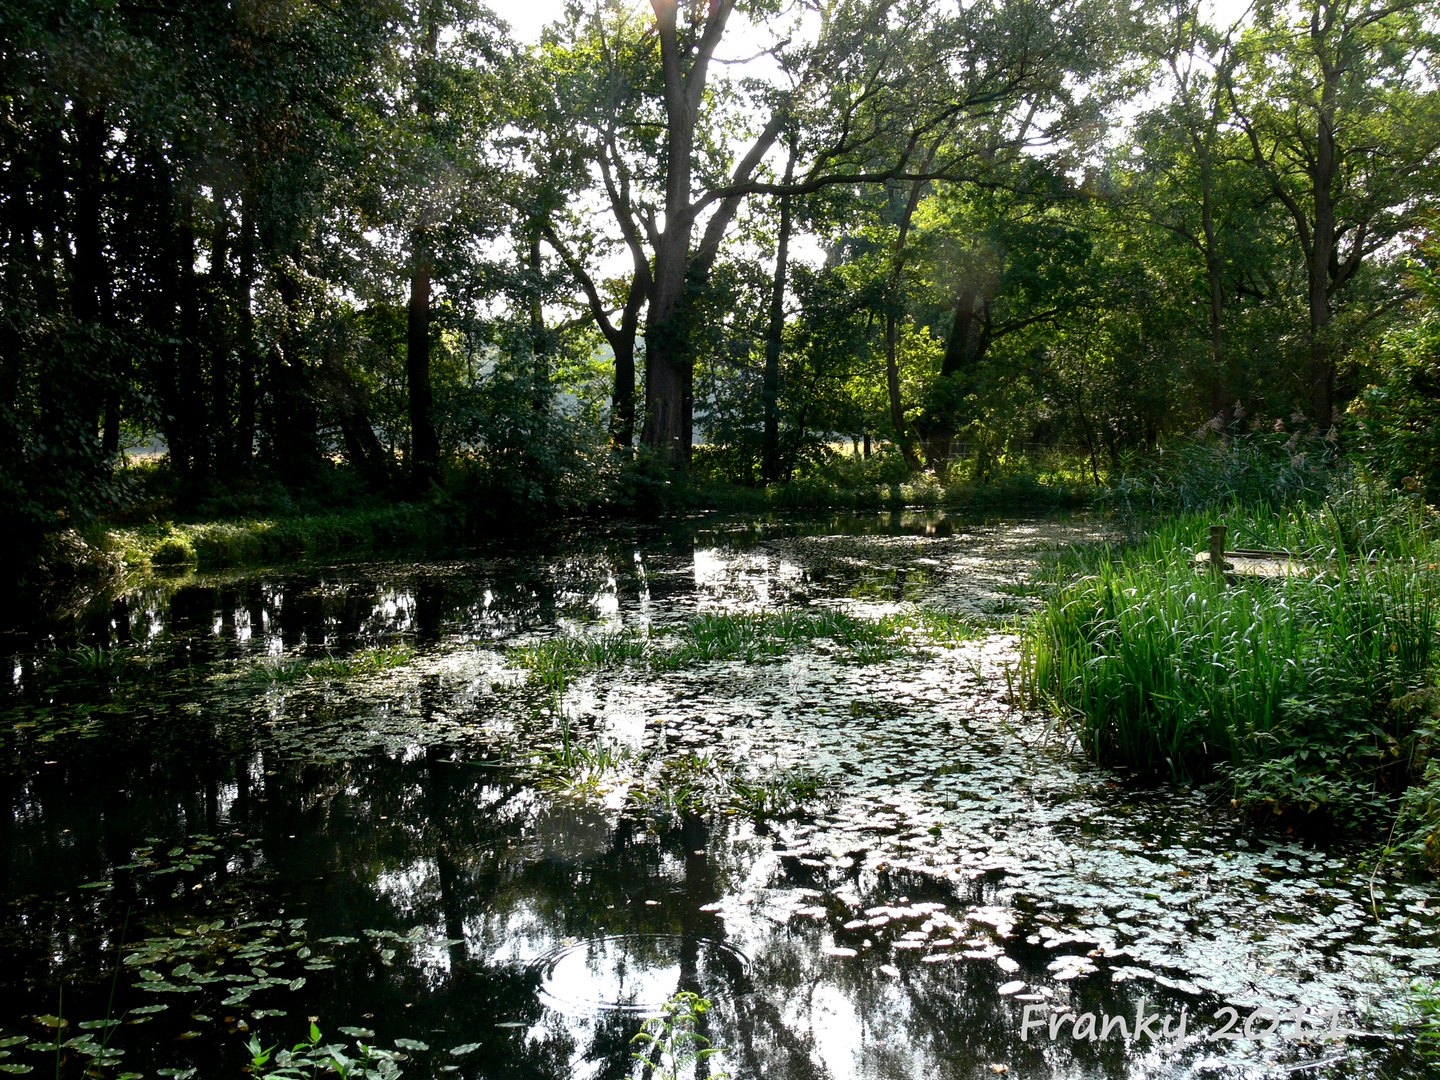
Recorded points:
(671, 1045)
(309, 1058)
(276, 669)
(750, 637)
(781, 794)
(172, 551)
(1286, 686)
(1425, 1007)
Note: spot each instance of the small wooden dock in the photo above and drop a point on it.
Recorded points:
(1248, 562)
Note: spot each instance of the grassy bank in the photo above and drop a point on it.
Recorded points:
(216, 544)
(1306, 697)
(247, 541)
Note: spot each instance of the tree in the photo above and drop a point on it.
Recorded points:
(1342, 124)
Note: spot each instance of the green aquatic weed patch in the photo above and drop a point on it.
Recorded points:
(750, 637)
(363, 662)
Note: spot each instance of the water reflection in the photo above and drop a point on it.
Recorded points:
(447, 902)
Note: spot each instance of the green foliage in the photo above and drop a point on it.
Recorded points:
(1425, 1005)
(172, 551)
(750, 638)
(1286, 687)
(525, 461)
(310, 1057)
(670, 1044)
(780, 795)
(249, 542)
(364, 662)
(1222, 466)
(1399, 416)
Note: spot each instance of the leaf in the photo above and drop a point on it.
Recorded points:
(357, 1032)
(411, 1044)
(464, 1048)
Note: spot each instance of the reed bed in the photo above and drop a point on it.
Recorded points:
(1285, 687)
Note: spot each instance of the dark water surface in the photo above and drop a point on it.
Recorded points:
(361, 850)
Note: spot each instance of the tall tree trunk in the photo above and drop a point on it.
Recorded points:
(219, 323)
(892, 385)
(770, 456)
(1322, 360)
(622, 401)
(424, 444)
(293, 421)
(1221, 389)
(539, 342)
(89, 281)
(189, 366)
(669, 365)
(243, 445)
(965, 348)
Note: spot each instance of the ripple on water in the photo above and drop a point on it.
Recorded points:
(639, 972)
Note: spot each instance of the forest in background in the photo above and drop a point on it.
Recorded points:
(326, 254)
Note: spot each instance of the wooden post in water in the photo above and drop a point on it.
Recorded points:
(1217, 550)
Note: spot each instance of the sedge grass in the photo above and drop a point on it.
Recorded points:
(1284, 685)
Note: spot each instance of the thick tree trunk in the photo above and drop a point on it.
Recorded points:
(357, 434)
(965, 348)
(189, 368)
(539, 340)
(1221, 388)
(770, 392)
(622, 401)
(424, 445)
(669, 365)
(1322, 361)
(218, 329)
(293, 423)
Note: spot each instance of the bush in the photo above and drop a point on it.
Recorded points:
(172, 551)
(1399, 418)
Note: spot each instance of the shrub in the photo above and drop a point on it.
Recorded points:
(173, 551)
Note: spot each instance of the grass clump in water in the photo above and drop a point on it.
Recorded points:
(1285, 689)
(295, 669)
(781, 794)
(752, 637)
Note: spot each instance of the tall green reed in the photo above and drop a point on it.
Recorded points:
(1163, 668)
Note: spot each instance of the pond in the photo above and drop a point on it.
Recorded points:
(237, 804)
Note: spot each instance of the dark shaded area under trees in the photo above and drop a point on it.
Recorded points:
(336, 256)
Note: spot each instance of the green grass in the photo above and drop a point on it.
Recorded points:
(749, 637)
(816, 493)
(295, 669)
(1285, 688)
(215, 544)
